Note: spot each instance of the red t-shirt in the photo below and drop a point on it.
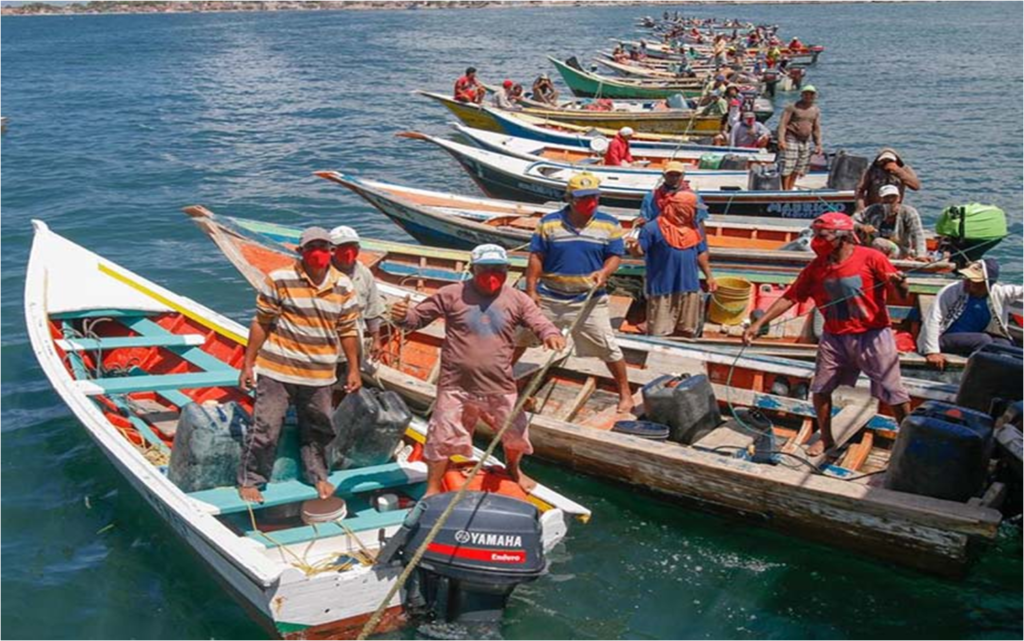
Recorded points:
(858, 285)
(465, 89)
(618, 151)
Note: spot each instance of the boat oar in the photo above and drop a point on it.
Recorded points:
(531, 389)
(414, 135)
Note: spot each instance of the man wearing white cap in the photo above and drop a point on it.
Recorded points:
(749, 132)
(481, 317)
(891, 227)
(618, 154)
(968, 315)
(887, 169)
(544, 90)
(345, 241)
(304, 313)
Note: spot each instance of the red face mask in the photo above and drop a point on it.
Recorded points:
(586, 206)
(317, 258)
(821, 246)
(346, 254)
(489, 283)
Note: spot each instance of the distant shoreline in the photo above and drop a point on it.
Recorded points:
(167, 7)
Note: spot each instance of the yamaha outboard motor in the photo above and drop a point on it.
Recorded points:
(489, 545)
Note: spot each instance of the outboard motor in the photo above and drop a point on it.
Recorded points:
(490, 544)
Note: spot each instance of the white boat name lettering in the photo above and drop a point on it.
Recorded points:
(500, 540)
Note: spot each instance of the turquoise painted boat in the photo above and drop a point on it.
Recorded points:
(591, 85)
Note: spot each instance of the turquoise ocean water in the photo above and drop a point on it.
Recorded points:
(116, 122)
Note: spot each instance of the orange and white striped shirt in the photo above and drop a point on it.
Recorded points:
(306, 321)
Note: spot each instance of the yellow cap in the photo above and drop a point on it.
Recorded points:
(585, 184)
(675, 167)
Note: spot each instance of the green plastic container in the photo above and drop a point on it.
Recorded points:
(710, 161)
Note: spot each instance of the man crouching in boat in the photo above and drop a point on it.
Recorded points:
(481, 318)
(301, 313)
(848, 284)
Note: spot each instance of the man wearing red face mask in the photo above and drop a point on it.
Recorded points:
(573, 250)
(849, 284)
(371, 305)
(303, 313)
(481, 318)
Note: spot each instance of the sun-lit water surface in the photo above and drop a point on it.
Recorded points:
(117, 122)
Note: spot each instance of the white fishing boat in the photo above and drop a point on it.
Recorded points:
(501, 175)
(128, 356)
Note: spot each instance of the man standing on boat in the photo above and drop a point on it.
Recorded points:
(891, 227)
(303, 313)
(674, 249)
(672, 181)
(799, 126)
(371, 306)
(468, 88)
(573, 250)
(481, 318)
(968, 315)
(618, 154)
(849, 284)
(886, 169)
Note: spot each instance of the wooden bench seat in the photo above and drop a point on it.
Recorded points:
(158, 383)
(122, 342)
(364, 520)
(348, 482)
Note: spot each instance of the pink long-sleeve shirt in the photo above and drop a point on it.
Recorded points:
(480, 332)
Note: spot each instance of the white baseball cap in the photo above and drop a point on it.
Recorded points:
(342, 235)
(888, 190)
(489, 255)
(626, 131)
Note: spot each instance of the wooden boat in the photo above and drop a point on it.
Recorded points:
(838, 501)
(529, 127)
(802, 57)
(463, 222)
(648, 159)
(127, 355)
(724, 192)
(642, 118)
(255, 248)
(587, 84)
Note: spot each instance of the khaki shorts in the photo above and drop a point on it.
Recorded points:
(674, 314)
(593, 337)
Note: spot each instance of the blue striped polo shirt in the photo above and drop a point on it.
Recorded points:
(570, 255)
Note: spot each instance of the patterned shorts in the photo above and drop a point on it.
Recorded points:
(796, 157)
(456, 414)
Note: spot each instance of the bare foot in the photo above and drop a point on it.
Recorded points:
(626, 405)
(250, 494)
(430, 492)
(324, 489)
(525, 482)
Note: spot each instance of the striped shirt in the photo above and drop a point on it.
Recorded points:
(305, 322)
(571, 255)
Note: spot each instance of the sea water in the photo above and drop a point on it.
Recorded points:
(117, 122)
